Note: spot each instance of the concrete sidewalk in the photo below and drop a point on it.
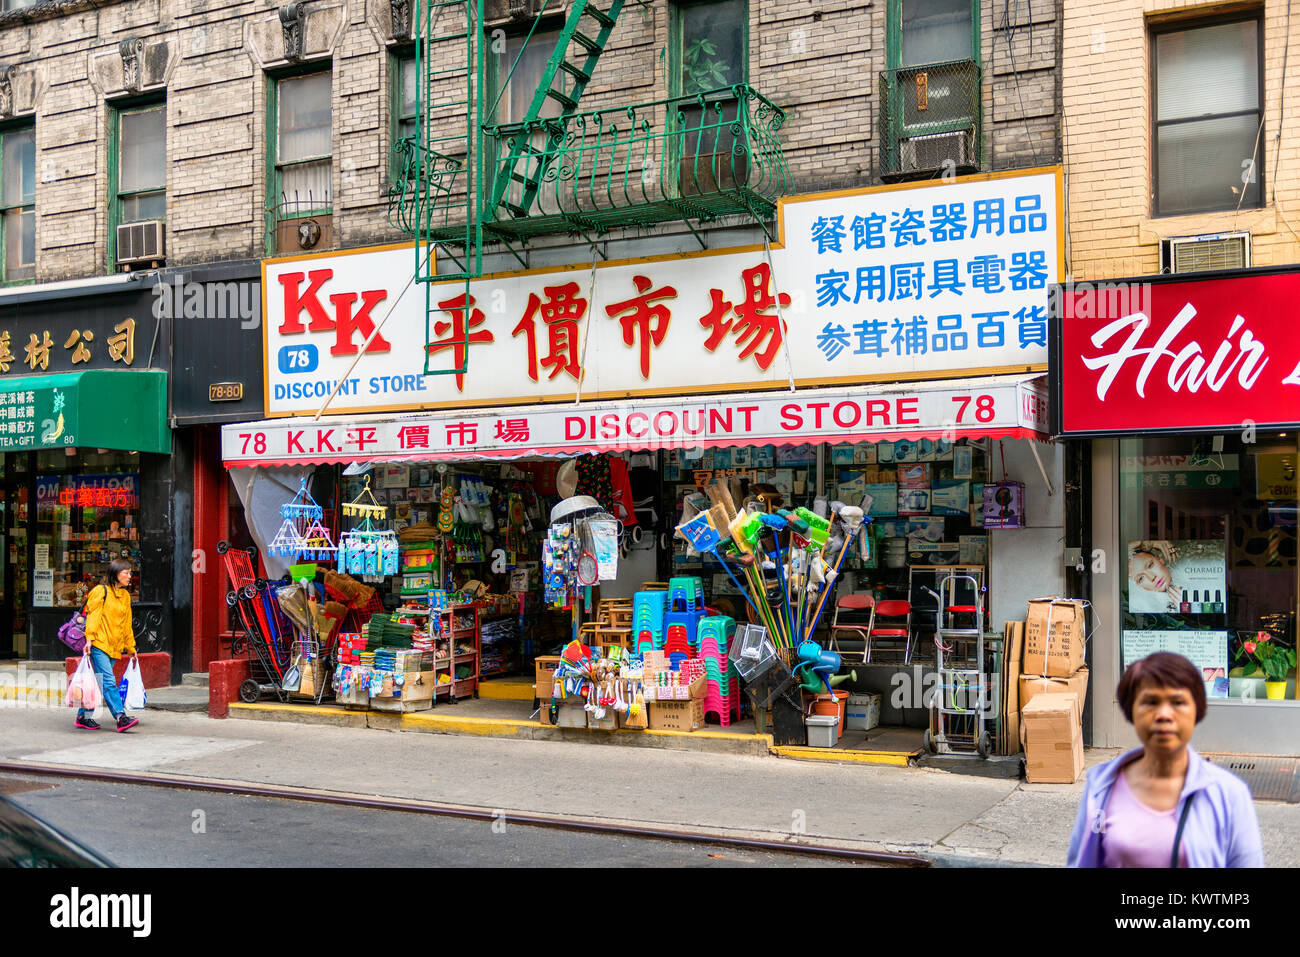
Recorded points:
(948, 817)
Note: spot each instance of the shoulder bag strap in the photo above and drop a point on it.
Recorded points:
(1178, 836)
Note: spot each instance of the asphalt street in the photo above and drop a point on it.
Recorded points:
(138, 826)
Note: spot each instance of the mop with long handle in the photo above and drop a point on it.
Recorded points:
(703, 535)
(853, 519)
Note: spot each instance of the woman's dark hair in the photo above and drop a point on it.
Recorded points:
(115, 568)
(1164, 669)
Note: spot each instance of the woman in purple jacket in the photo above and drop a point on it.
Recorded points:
(1162, 804)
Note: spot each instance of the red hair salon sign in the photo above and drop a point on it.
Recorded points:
(1177, 354)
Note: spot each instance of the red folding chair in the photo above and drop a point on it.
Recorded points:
(894, 610)
(856, 630)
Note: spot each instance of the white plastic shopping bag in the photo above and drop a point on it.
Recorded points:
(83, 689)
(135, 696)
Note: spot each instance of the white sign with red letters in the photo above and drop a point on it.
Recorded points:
(998, 406)
(864, 286)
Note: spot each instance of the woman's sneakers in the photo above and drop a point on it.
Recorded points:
(87, 724)
(125, 722)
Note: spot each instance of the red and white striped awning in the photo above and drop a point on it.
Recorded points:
(1007, 406)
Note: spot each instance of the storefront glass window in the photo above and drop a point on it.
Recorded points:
(1209, 530)
(87, 514)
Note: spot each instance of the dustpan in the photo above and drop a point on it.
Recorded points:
(292, 678)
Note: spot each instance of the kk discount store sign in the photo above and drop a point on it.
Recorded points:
(864, 286)
(996, 406)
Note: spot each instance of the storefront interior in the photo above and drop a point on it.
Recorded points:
(474, 533)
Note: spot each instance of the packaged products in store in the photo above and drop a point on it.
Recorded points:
(914, 476)
(913, 501)
(950, 497)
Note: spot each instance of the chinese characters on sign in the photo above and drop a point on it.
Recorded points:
(862, 286)
(992, 406)
(41, 351)
(922, 297)
(17, 419)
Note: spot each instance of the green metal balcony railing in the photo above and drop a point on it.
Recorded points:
(713, 154)
(930, 119)
(423, 173)
(698, 157)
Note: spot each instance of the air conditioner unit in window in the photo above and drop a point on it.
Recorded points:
(1208, 253)
(498, 11)
(141, 243)
(935, 151)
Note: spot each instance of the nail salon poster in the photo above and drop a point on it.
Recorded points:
(1208, 650)
(1177, 577)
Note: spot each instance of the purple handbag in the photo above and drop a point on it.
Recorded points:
(73, 631)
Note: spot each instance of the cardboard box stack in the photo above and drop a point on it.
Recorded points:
(1052, 690)
(674, 700)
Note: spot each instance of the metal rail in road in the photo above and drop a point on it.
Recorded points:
(830, 852)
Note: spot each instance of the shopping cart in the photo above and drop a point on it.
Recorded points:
(961, 695)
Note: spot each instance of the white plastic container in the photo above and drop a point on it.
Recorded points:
(862, 712)
(823, 730)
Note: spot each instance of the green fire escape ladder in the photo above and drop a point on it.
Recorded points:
(439, 171)
(563, 82)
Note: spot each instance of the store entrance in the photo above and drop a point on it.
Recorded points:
(14, 473)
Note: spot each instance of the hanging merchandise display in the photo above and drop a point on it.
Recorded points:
(302, 535)
(366, 550)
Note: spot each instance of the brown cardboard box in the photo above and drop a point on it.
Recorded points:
(1053, 739)
(1031, 685)
(1060, 653)
(417, 694)
(1013, 649)
(544, 674)
(677, 715)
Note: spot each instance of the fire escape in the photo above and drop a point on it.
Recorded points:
(466, 181)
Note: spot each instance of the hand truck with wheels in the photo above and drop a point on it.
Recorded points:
(961, 694)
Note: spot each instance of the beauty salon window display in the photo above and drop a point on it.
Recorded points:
(1208, 527)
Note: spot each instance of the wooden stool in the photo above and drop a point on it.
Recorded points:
(654, 586)
(608, 635)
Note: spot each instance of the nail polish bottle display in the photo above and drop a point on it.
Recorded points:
(1218, 601)
(1184, 607)
(1196, 602)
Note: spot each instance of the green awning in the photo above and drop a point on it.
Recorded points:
(100, 408)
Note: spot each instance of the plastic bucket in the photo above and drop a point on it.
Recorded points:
(832, 704)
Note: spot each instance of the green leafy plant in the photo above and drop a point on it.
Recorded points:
(1267, 655)
(699, 71)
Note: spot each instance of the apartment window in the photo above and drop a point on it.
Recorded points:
(18, 192)
(518, 82)
(141, 192)
(933, 31)
(9, 5)
(711, 53)
(302, 142)
(404, 99)
(711, 48)
(1208, 96)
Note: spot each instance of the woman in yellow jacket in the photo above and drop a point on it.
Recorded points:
(108, 637)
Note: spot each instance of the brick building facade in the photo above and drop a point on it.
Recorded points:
(68, 70)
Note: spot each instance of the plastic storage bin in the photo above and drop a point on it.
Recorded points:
(823, 730)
